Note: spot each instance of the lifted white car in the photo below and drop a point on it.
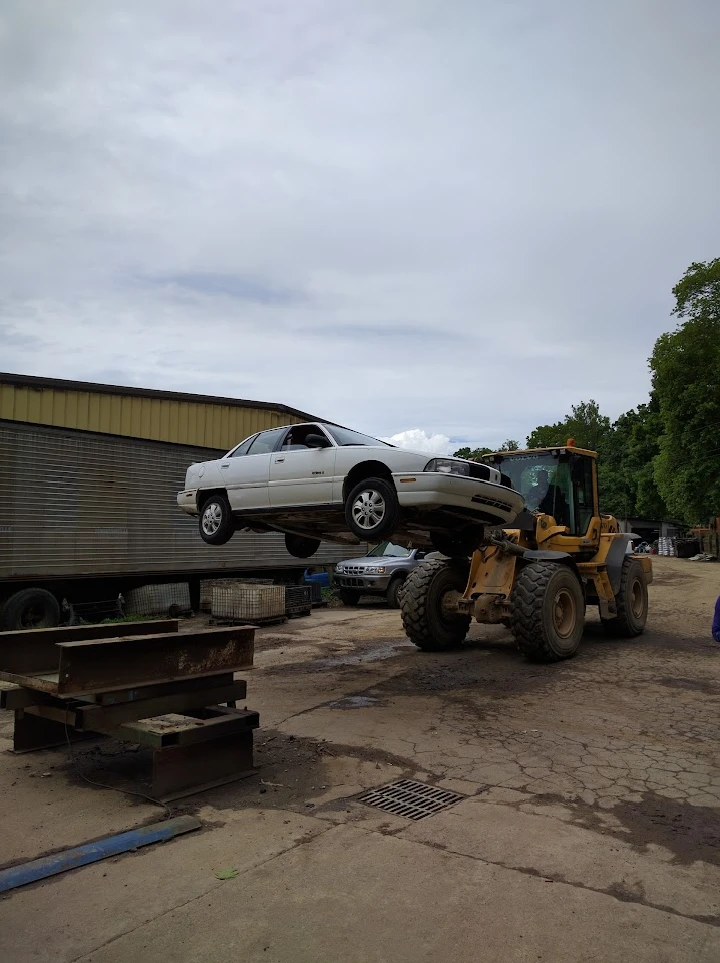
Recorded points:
(320, 481)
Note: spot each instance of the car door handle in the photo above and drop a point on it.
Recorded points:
(278, 460)
(225, 466)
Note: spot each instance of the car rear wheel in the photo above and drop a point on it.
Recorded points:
(372, 509)
(301, 547)
(216, 522)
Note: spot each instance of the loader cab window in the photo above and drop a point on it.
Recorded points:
(559, 485)
(581, 470)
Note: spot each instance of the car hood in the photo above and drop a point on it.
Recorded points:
(387, 560)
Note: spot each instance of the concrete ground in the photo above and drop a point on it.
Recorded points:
(589, 828)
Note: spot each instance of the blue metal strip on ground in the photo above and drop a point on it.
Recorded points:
(38, 869)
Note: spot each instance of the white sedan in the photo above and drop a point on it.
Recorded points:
(320, 481)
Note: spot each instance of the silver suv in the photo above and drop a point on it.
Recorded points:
(381, 572)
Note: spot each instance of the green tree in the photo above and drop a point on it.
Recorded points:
(626, 468)
(585, 424)
(685, 364)
(473, 454)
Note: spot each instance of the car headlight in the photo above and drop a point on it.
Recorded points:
(339, 568)
(449, 466)
(375, 570)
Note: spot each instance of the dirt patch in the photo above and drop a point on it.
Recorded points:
(690, 833)
(692, 685)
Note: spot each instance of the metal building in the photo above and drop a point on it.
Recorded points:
(203, 421)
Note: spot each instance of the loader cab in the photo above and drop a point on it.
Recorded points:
(561, 482)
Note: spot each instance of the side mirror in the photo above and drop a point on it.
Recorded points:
(316, 441)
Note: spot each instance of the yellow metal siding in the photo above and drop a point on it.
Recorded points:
(204, 424)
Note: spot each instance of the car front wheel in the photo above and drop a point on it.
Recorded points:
(372, 510)
(216, 522)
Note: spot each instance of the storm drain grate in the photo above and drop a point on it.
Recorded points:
(413, 800)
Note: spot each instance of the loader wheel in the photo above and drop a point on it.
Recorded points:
(631, 601)
(547, 613)
(427, 619)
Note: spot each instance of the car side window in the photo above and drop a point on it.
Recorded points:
(242, 449)
(295, 439)
(265, 442)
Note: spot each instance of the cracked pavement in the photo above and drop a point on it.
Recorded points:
(589, 827)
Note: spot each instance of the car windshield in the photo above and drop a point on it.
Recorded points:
(387, 549)
(344, 436)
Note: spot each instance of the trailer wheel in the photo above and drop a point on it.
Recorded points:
(428, 618)
(631, 601)
(547, 613)
(31, 608)
(216, 522)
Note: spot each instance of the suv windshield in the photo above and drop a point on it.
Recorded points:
(344, 436)
(388, 549)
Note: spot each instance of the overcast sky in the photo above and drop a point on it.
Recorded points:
(449, 217)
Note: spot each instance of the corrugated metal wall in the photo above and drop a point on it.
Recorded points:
(206, 423)
(75, 503)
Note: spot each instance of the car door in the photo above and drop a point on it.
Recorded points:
(301, 474)
(246, 471)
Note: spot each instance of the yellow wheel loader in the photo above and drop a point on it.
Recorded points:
(538, 575)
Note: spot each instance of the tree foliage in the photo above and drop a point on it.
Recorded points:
(661, 459)
(475, 454)
(686, 381)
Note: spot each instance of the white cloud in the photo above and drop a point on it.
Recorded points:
(418, 440)
(379, 213)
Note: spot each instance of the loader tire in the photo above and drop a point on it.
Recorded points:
(631, 601)
(547, 611)
(425, 620)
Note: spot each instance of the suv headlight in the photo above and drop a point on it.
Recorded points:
(339, 568)
(375, 570)
(449, 466)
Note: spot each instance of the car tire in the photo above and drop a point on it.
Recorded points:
(349, 598)
(216, 523)
(30, 608)
(372, 509)
(393, 592)
(460, 545)
(301, 547)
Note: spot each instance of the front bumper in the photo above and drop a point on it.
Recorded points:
(363, 583)
(436, 489)
(187, 501)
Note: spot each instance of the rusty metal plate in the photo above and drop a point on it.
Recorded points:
(33, 650)
(105, 665)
